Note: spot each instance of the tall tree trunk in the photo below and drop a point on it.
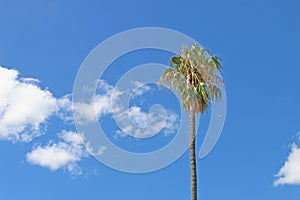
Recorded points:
(193, 155)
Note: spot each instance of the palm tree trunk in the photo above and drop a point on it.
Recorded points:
(193, 155)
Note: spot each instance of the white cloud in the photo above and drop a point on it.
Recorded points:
(71, 137)
(140, 118)
(132, 121)
(137, 123)
(95, 152)
(52, 156)
(171, 124)
(290, 171)
(141, 88)
(140, 124)
(24, 107)
(98, 106)
(30, 80)
(64, 154)
(65, 108)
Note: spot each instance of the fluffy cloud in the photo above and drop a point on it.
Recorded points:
(290, 171)
(24, 107)
(66, 153)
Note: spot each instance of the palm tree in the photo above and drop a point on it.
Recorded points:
(193, 76)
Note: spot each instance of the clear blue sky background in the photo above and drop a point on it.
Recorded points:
(259, 43)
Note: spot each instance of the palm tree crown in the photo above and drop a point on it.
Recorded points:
(193, 76)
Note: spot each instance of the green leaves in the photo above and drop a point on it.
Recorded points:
(175, 60)
(216, 61)
(192, 75)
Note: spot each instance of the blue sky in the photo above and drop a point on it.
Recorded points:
(48, 40)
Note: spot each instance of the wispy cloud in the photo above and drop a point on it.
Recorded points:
(65, 111)
(137, 123)
(141, 88)
(99, 105)
(132, 121)
(24, 107)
